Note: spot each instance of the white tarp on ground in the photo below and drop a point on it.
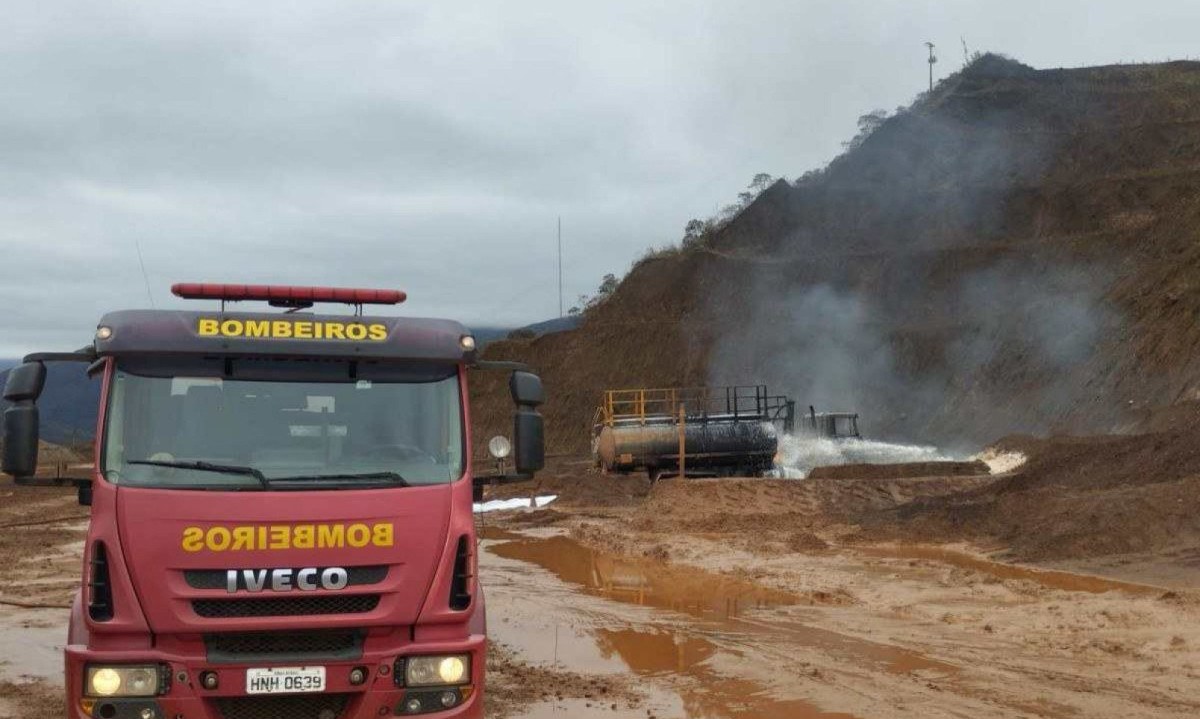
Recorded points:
(497, 505)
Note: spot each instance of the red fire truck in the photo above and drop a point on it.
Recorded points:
(281, 510)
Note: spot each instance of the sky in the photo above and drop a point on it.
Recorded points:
(431, 146)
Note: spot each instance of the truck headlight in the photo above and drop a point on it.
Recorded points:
(124, 681)
(438, 670)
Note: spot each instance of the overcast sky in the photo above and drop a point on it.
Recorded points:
(430, 146)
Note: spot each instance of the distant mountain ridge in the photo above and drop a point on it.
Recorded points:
(486, 335)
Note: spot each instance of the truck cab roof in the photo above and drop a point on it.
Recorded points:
(179, 332)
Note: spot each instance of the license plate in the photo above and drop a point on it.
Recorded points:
(285, 680)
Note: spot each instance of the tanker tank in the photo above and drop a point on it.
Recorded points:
(725, 430)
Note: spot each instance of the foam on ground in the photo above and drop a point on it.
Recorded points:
(798, 455)
(497, 505)
(1001, 462)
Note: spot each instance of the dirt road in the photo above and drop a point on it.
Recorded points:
(604, 611)
(752, 598)
(901, 631)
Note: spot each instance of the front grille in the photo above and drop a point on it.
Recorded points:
(294, 607)
(296, 706)
(283, 646)
(215, 578)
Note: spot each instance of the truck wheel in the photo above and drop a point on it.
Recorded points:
(654, 473)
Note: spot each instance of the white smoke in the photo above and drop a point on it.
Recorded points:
(889, 285)
(798, 455)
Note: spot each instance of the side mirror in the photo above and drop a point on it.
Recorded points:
(20, 440)
(528, 429)
(526, 389)
(24, 386)
(530, 440)
(528, 448)
(25, 382)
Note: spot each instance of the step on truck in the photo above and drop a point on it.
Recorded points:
(281, 510)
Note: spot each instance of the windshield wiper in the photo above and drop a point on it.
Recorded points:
(208, 467)
(390, 478)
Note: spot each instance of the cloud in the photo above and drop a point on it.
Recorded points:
(431, 146)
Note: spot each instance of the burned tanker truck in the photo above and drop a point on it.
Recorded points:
(698, 431)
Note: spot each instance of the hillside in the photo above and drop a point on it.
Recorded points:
(1016, 252)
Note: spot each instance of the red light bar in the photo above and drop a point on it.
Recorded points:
(286, 293)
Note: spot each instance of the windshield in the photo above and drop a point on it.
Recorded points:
(201, 431)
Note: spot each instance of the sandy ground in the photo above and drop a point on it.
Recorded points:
(41, 535)
(881, 632)
(728, 598)
(668, 604)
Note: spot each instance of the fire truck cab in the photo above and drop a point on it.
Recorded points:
(281, 510)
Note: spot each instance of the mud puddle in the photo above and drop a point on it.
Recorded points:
(723, 649)
(31, 643)
(716, 598)
(1049, 578)
(644, 582)
(671, 654)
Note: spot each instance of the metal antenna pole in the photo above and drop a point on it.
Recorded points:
(560, 295)
(145, 278)
(932, 60)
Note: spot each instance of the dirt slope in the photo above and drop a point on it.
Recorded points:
(1015, 253)
(1076, 497)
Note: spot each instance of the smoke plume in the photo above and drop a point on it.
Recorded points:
(916, 282)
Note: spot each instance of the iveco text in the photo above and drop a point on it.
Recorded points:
(307, 579)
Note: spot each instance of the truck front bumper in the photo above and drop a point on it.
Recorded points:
(185, 697)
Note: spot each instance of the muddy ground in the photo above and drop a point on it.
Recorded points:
(739, 598)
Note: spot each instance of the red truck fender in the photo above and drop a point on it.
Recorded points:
(478, 622)
(77, 631)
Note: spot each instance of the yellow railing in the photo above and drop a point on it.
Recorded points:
(638, 404)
